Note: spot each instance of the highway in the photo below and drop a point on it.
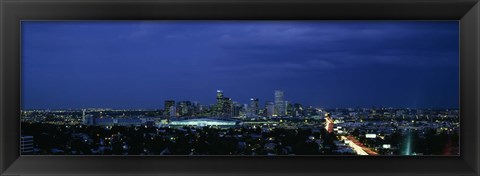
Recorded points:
(358, 146)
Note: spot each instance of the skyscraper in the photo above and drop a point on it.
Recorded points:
(253, 106)
(219, 94)
(236, 109)
(224, 106)
(220, 102)
(227, 107)
(288, 108)
(196, 107)
(279, 103)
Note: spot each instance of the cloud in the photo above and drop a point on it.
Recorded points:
(161, 58)
(340, 44)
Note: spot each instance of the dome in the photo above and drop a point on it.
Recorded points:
(203, 122)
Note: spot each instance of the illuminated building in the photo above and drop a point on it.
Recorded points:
(279, 103)
(288, 108)
(224, 106)
(196, 107)
(167, 105)
(227, 110)
(173, 111)
(202, 122)
(184, 108)
(270, 108)
(219, 94)
(220, 103)
(237, 109)
(246, 110)
(253, 106)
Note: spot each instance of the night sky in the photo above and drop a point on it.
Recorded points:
(320, 63)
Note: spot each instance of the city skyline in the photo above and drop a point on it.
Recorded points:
(309, 131)
(322, 64)
(260, 104)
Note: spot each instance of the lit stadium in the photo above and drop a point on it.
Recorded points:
(202, 122)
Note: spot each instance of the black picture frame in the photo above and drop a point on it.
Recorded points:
(14, 11)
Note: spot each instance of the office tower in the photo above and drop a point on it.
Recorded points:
(196, 107)
(220, 103)
(167, 105)
(279, 103)
(184, 108)
(237, 109)
(227, 107)
(270, 108)
(254, 106)
(288, 108)
(224, 106)
(219, 94)
(245, 110)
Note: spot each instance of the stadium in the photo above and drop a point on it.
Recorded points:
(203, 122)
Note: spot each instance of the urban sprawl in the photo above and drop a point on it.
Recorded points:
(227, 127)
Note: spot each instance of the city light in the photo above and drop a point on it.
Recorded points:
(250, 128)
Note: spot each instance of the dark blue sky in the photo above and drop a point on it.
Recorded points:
(320, 63)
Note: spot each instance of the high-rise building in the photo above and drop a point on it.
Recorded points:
(219, 94)
(224, 106)
(220, 102)
(270, 106)
(196, 107)
(227, 109)
(245, 110)
(254, 106)
(237, 109)
(279, 103)
(184, 108)
(288, 108)
(167, 105)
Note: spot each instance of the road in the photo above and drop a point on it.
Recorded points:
(358, 146)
